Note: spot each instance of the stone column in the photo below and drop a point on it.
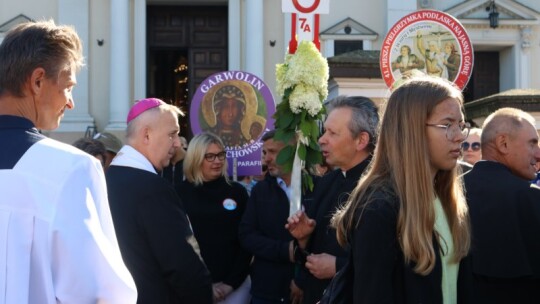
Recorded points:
(139, 50)
(119, 97)
(76, 13)
(254, 37)
(235, 34)
(525, 57)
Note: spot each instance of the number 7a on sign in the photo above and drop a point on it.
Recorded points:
(305, 20)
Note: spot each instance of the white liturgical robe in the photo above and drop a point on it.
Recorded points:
(57, 240)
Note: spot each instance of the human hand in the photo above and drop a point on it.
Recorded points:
(297, 294)
(322, 266)
(216, 292)
(221, 291)
(300, 226)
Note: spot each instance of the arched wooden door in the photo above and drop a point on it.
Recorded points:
(185, 44)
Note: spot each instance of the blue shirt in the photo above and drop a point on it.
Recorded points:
(17, 135)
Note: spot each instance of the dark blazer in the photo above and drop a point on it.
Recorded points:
(331, 192)
(155, 239)
(215, 210)
(505, 217)
(380, 272)
(262, 233)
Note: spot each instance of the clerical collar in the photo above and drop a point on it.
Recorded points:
(356, 171)
(129, 157)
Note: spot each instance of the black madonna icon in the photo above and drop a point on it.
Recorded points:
(427, 42)
(229, 110)
(236, 106)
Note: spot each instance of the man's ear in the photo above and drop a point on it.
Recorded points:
(501, 143)
(146, 134)
(362, 141)
(36, 80)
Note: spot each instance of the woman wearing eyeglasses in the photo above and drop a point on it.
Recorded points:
(214, 206)
(406, 221)
(471, 148)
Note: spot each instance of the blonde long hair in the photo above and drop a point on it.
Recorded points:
(401, 165)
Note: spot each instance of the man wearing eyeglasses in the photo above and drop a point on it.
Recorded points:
(505, 210)
(154, 234)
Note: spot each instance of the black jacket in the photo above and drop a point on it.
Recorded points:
(263, 233)
(215, 209)
(505, 217)
(155, 239)
(380, 272)
(331, 192)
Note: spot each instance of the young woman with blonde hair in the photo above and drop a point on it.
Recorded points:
(406, 222)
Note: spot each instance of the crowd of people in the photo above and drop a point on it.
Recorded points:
(394, 219)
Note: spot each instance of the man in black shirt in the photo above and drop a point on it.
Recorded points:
(347, 144)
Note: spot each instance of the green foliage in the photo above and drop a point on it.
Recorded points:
(302, 80)
(307, 181)
(286, 154)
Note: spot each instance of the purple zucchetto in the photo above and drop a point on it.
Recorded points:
(142, 106)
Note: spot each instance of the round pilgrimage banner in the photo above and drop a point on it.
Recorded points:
(236, 106)
(429, 42)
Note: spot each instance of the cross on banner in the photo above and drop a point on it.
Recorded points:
(305, 20)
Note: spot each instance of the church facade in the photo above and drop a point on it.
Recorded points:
(165, 48)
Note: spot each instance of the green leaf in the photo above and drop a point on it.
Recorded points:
(280, 135)
(305, 126)
(284, 119)
(313, 157)
(288, 135)
(302, 152)
(287, 167)
(287, 93)
(296, 120)
(313, 145)
(314, 129)
(307, 182)
(284, 135)
(286, 154)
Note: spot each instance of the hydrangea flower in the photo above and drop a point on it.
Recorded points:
(302, 83)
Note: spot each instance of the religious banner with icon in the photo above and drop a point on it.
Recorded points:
(427, 42)
(238, 107)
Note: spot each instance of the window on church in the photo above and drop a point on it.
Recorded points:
(345, 46)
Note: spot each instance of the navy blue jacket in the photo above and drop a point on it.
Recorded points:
(263, 233)
(505, 218)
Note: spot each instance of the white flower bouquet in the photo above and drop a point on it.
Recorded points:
(302, 83)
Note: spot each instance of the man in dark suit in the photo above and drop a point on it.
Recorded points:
(263, 235)
(153, 232)
(505, 210)
(347, 144)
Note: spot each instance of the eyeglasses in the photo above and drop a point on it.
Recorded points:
(454, 130)
(475, 146)
(212, 156)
